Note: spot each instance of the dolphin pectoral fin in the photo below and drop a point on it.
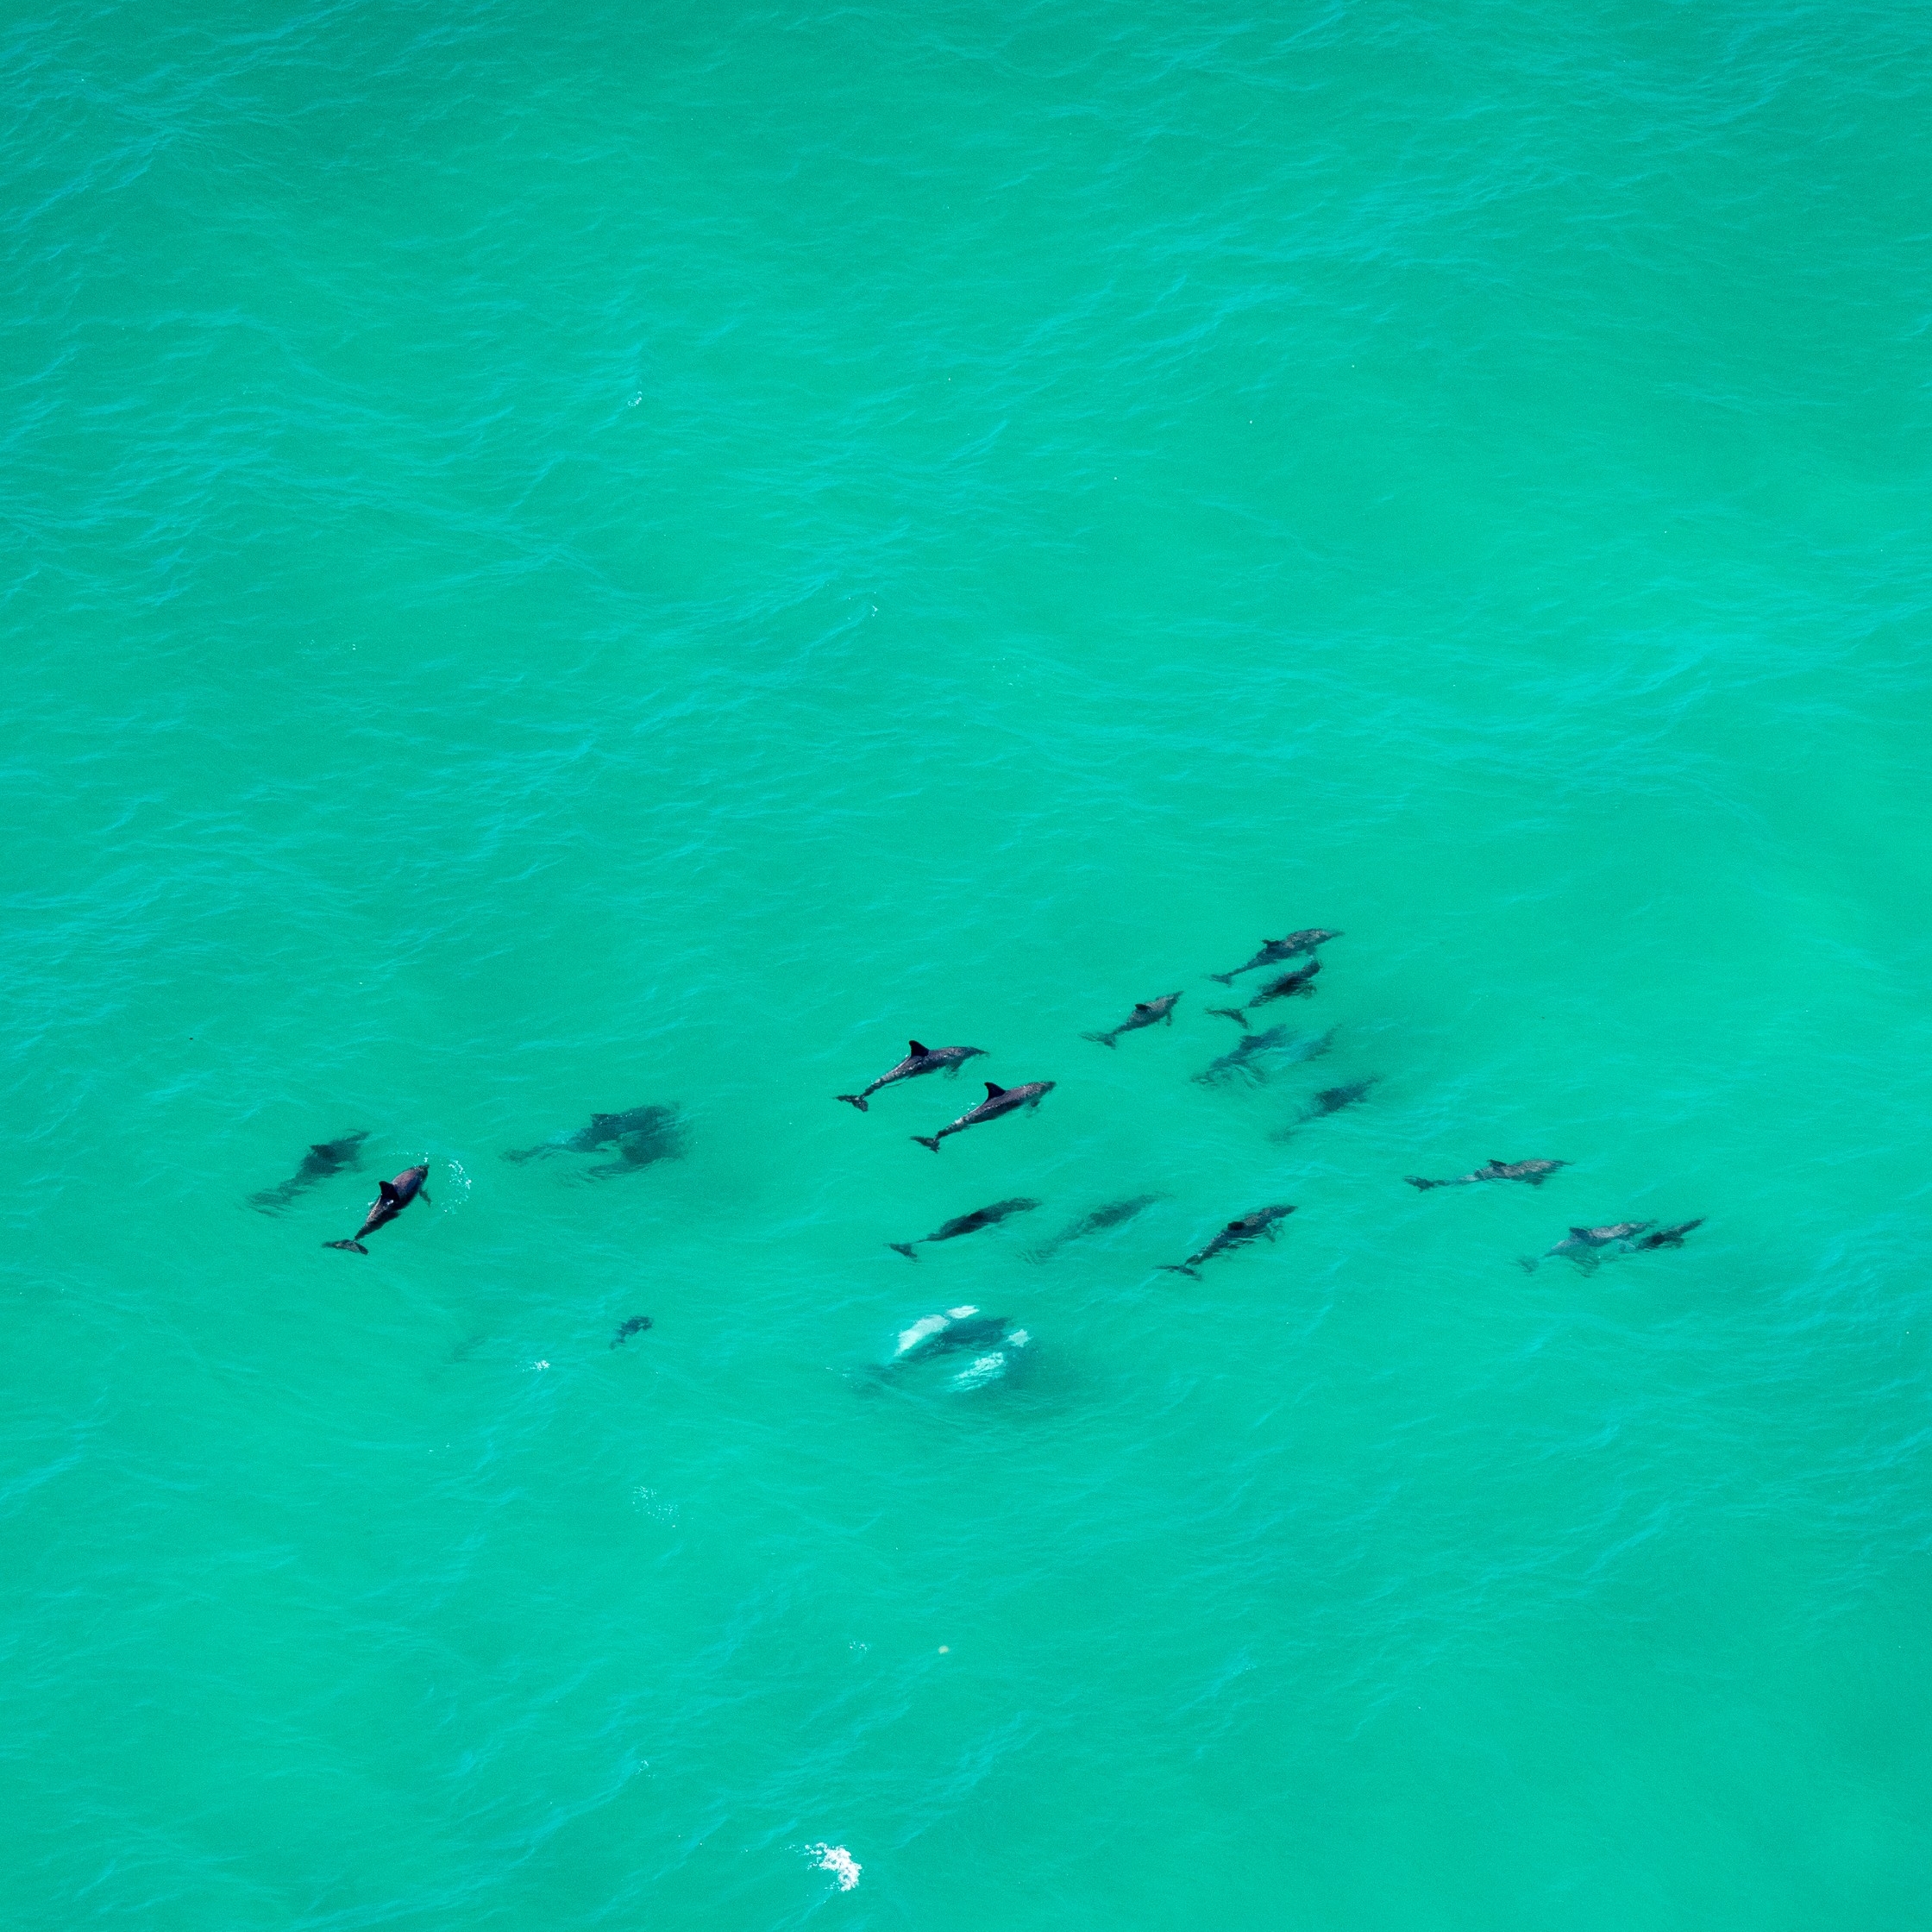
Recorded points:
(425, 1193)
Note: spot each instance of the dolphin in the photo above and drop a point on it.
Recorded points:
(636, 1326)
(1271, 949)
(661, 1137)
(1247, 1227)
(1111, 1215)
(1534, 1172)
(1664, 1237)
(1581, 1243)
(969, 1224)
(1244, 1061)
(324, 1158)
(391, 1200)
(604, 1129)
(1146, 1013)
(1332, 1099)
(998, 1101)
(1290, 985)
(939, 1334)
(918, 1059)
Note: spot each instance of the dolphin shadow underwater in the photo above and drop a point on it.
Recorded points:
(339, 1156)
(604, 1130)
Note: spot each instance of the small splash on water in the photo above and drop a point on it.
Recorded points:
(655, 1506)
(837, 1860)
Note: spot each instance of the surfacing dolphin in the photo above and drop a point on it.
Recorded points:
(393, 1197)
(1290, 985)
(603, 1130)
(1146, 1013)
(1534, 1172)
(1272, 950)
(968, 1224)
(1260, 1225)
(1665, 1237)
(324, 1158)
(1111, 1215)
(1245, 1060)
(918, 1059)
(998, 1101)
(1580, 1244)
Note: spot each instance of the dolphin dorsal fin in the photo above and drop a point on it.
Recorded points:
(598, 1119)
(321, 1147)
(993, 1093)
(1140, 1006)
(1494, 1162)
(915, 1050)
(1579, 1231)
(386, 1189)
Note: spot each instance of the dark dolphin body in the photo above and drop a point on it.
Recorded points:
(1146, 1013)
(636, 1326)
(1290, 985)
(660, 1138)
(918, 1059)
(391, 1200)
(1248, 1228)
(1245, 1061)
(969, 1224)
(1272, 950)
(1331, 1100)
(1581, 1243)
(1534, 1172)
(604, 1131)
(998, 1101)
(1665, 1237)
(1111, 1215)
(324, 1158)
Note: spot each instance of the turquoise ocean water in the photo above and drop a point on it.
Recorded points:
(562, 558)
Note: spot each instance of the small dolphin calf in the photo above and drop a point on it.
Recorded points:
(1272, 950)
(324, 1158)
(968, 1224)
(602, 1131)
(392, 1197)
(1290, 985)
(998, 1101)
(1581, 1243)
(1534, 1172)
(1247, 1227)
(1665, 1237)
(636, 1326)
(1146, 1013)
(1250, 1058)
(1112, 1215)
(918, 1059)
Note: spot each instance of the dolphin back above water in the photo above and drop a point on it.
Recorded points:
(969, 1224)
(1258, 1226)
(999, 1101)
(1146, 1013)
(918, 1060)
(1299, 984)
(1272, 950)
(393, 1197)
(1534, 1172)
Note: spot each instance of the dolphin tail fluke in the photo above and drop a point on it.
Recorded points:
(932, 1142)
(1416, 1181)
(1528, 1262)
(1180, 1267)
(1106, 1039)
(1225, 979)
(905, 1248)
(519, 1154)
(1231, 1012)
(356, 1246)
(853, 1100)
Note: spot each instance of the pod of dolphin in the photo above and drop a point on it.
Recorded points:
(644, 1135)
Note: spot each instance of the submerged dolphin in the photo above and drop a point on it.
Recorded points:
(918, 1059)
(961, 1328)
(604, 1129)
(1146, 1013)
(1290, 985)
(1272, 950)
(393, 1197)
(1534, 1172)
(1581, 1243)
(324, 1158)
(1112, 1215)
(1665, 1237)
(998, 1101)
(969, 1224)
(1246, 1227)
(636, 1326)
(1244, 1060)
(660, 1138)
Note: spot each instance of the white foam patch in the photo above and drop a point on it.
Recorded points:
(837, 1860)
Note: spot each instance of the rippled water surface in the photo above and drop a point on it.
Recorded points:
(567, 560)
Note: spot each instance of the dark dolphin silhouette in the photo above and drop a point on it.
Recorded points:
(1254, 1226)
(1111, 1215)
(661, 1137)
(604, 1131)
(1331, 1100)
(1665, 1237)
(998, 1101)
(636, 1326)
(324, 1159)
(918, 1059)
(391, 1200)
(1146, 1013)
(1290, 985)
(1272, 950)
(1534, 1172)
(968, 1224)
